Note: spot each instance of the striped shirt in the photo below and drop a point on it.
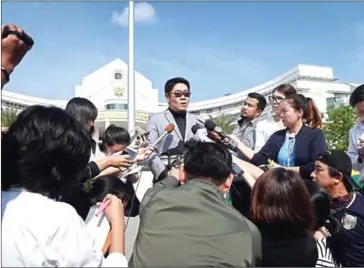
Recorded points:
(325, 258)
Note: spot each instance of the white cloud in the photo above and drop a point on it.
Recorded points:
(143, 13)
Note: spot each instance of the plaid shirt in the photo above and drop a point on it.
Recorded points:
(246, 132)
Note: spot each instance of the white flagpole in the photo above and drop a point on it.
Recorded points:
(131, 70)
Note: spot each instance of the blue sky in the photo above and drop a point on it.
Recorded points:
(220, 47)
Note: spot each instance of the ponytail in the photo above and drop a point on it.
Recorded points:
(313, 115)
(336, 241)
(114, 135)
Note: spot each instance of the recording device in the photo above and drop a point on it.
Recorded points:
(200, 121)
(144, 135)
(237, 170)
(201, 133)
(132, 153)
(217, 131)
(21, 35)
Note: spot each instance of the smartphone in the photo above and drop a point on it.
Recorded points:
(132, 153)
(237, 170)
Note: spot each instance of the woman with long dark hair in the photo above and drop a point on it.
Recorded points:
(329, 233)
(282, 210)
(85, 113)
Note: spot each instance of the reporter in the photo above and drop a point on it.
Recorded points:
(282, 210)
(178, 218)
(296, 147)
(46, 150)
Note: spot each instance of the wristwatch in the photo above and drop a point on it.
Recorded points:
(6, 74)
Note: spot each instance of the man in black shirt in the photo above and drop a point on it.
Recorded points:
(333, 172)
(177, 92)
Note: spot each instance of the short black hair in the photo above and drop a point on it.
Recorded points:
(83, 110)
(262, 102)
(45, 151)
(168, 87)
(321, 203)
(208, 161)
(357, 96)
(109, 184)
(115, 135)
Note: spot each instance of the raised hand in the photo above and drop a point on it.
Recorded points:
(13, 49)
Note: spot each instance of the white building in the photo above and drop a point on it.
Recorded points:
(107, 89)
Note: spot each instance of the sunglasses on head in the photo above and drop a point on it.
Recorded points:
(179, 94)
(275, 99)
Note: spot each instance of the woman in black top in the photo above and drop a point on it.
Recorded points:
(85, 113)
(282, 210)
(297, 146)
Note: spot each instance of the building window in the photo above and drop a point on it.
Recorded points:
(118, 76)
(330, 102)
(116, 106)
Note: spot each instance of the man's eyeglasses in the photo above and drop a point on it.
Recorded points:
(275, 99)
(179, 94)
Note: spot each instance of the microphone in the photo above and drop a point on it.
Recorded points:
(217, 131)
(196, 127)
(200, 133)
(200, 120)
(168, 129)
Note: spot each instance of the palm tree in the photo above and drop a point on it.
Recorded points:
(225, 122)
(8, 116)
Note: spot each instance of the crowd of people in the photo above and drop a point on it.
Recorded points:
(270, 194)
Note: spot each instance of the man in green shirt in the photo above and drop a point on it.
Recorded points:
(191, 224)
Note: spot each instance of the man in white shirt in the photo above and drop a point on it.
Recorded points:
(356, 134)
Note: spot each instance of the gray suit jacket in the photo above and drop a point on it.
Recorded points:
(156, 125)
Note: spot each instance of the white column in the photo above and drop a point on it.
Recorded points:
(107, 123)
(96, 135)
(131, 70)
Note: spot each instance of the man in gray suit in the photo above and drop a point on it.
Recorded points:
(177, 92)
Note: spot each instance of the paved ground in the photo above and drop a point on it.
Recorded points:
(133, 224)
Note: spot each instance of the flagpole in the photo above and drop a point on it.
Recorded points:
(131, 70)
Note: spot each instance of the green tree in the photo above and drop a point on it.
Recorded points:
(336, 129)
(225, 121)
(8, 116)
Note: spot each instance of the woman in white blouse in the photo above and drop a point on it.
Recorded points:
(329, 233)
(44, 152)
(267, 127)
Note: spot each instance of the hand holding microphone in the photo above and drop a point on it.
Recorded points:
(201, 133)
(217, 134)
(168, 129)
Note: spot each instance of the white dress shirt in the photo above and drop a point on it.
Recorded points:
(263, 131)
(355, 132)
(40, 232)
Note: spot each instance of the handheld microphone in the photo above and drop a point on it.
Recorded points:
(217, 131)
(200, 133)
(168, 129)
(200, 120)
(196, 127)
(211, 126)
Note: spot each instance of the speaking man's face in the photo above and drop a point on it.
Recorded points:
(179, 98)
